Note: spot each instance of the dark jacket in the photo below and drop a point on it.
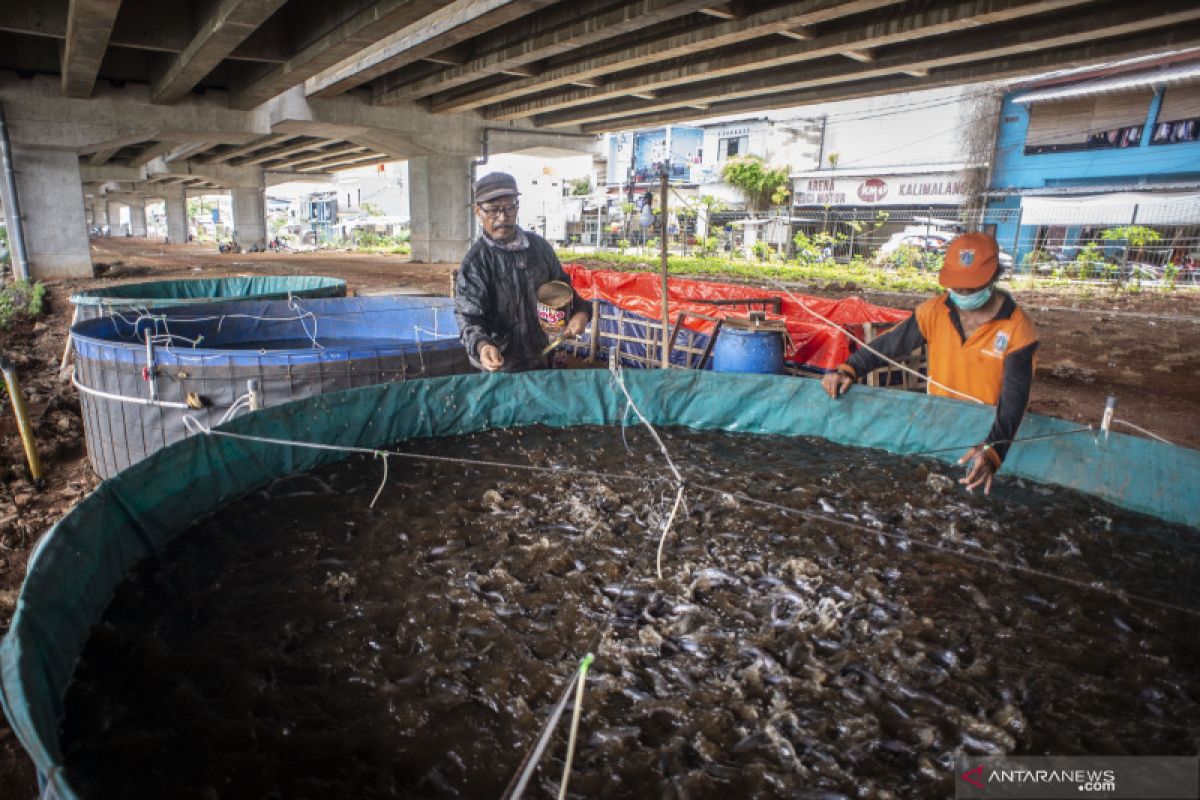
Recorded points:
(495, 300)
(995, 364)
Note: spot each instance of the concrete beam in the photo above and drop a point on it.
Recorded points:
(226, 27)
(221, 175)
(156, 150)
(272, 178)
(344, 161)
(970, 47)
(896, 28)
(189, 149)
(861, 56)
(454, 56)
(799, 34)
(89, 25)
(257, 144)
(454, 24)
(283, 152)
(1087, 53)
(360, 31)
(40, 116)
(588, 30)
(167, 32)
(720, 12)
(110, 172)
(680, 45)
(323, 155)
(102, 156)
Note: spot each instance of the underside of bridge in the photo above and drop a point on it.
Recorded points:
(113, 101)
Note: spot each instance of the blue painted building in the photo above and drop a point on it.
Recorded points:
(1079, 154)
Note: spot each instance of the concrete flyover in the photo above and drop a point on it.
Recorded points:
(111, 102)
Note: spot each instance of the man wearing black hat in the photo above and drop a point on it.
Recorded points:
(496, 288)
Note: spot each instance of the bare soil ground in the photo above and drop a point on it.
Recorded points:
(1140, 347)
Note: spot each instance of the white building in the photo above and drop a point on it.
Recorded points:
(905, 154)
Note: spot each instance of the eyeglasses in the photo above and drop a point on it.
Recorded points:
(492, 212)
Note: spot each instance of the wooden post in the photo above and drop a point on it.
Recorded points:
(595, 337)
(666, 314)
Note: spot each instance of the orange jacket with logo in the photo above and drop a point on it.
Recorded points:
(993, 365)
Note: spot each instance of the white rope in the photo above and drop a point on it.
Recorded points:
(193, 425)
(382, 483)
(615, 371)
(1151, 434)
(663, 540)
(831, 324)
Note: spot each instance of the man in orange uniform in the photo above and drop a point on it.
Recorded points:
(981, 347)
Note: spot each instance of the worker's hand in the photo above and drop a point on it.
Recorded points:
(980, 471)
(836, 383)
(575, 325)
(490, 358)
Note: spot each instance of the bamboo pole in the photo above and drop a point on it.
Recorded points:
(666, 314)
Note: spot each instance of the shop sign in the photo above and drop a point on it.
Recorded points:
(942, 189)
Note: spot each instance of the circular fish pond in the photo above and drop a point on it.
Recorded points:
(830, 621)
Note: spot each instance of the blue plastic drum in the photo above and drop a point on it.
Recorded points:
(759, 351)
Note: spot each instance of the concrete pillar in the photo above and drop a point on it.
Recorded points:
(51, 195)
(114, 218)
(439, 200)
(99, 213)
(249, 216)
(137, 217)
(177, 222)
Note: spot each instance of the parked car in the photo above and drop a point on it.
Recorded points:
(926, 240)
(1142, 272)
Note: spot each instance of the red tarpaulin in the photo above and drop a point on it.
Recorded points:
(817, 344)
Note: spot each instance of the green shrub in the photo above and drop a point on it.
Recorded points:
(21, 299)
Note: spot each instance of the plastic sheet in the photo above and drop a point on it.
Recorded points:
(165, 294)
(817, 346)
(77, 565)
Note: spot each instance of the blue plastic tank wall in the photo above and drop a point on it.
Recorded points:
(162, 294)
(748, 351)
(201, 357)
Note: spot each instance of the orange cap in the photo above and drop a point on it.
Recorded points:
(971, 262)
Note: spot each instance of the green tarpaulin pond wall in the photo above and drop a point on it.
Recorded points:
(167, 294)
(77, 565)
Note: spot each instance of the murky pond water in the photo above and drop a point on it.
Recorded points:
(298, 644)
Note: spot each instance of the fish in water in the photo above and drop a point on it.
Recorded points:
(311, 647)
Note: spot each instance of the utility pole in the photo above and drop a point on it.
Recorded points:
(666, 314)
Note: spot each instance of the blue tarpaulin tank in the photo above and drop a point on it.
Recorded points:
(138, 373)
(166, 294)
(77, 565)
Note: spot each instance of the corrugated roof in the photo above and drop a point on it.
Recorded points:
(1062, 191)
(1188, 73)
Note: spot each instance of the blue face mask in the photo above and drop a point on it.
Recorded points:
(973, 301)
